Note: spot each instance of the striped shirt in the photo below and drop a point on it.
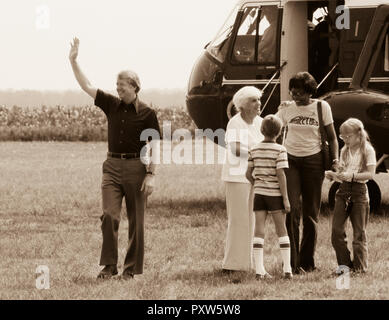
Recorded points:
(266, 158)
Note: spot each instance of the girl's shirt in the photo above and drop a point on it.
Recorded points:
(303, 136)
(354, 162)
(234, 168)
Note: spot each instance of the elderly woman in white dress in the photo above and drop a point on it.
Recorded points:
(243, 131)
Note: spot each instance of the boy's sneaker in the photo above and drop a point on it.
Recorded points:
(287, 275)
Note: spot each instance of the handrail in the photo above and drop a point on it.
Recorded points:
(274, 87)
(275, 73)
(328, 74)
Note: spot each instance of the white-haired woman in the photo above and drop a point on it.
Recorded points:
(243, 131)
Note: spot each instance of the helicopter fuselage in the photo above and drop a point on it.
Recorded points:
(231, 61)
(346, 49)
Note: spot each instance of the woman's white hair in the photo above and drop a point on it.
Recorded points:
(240, 97)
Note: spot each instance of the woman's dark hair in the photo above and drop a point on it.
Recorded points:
(304, 81)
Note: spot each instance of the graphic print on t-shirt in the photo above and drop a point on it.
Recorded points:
(304, 121)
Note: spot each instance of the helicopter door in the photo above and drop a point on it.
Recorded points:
(253, 56)
(351, 43)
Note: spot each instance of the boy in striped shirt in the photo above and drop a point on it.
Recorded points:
(266, 164)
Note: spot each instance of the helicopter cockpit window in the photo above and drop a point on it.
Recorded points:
(252, 33)
(245, 39)
(219, 45)
(268, 32)
(319, 44)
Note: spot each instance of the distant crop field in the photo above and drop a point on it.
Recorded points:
(49, 216)
(72, 123)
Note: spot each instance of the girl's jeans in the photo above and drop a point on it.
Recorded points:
(358, 216)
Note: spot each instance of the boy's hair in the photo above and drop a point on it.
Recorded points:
(356, 126)
(271, 126)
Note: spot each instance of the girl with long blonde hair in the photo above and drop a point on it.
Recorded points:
(357, 166)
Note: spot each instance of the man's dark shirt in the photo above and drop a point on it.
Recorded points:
(125, 125)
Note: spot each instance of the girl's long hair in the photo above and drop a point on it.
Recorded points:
(356, 126)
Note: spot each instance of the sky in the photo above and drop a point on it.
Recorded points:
(160, 40)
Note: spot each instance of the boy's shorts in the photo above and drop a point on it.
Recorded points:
(268, 203)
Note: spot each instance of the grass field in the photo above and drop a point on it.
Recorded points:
(49, 215)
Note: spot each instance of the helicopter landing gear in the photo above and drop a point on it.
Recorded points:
(374, 195)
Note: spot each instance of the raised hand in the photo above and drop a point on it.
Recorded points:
(74, 49)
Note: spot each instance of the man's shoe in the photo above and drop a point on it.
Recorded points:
(127, 275)
(287, 275)
(108, 272)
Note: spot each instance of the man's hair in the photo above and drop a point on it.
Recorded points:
(305, 81)
(243, 94)
(271, 126)
(131, 77)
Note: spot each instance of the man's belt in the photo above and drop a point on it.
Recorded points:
(123, 156)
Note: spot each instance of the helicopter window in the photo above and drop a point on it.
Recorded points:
(319, 50)
(261, 34)
(218, 46)
(244, 47)
(268, 31)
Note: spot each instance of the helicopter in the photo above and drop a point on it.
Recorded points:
(344, 44)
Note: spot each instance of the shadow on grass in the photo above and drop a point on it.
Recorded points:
(325, 209)
(383, 211)
(217, 205)
(92, 280)
(212, 204)
(215, 277)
